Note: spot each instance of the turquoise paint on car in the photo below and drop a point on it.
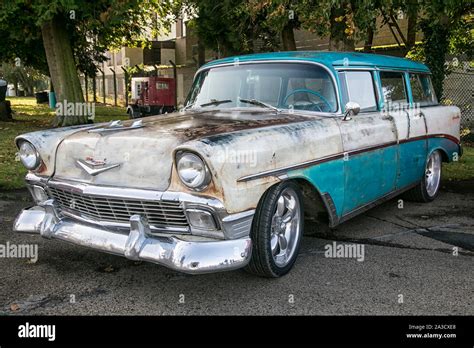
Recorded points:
(330, 59)
(326, 178)
(380, 168)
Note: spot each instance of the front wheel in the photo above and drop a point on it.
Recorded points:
(276, 231)
(428, 188)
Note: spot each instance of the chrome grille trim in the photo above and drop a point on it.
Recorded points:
(161, 214)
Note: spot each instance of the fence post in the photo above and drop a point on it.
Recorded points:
(126, 84)
(86, 83)
(103, 84)
(115, 86)
(94, 88)
(175, 76)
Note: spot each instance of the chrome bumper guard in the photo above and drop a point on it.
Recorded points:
(185, 256)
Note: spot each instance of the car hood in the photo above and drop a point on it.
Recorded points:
(142, 157)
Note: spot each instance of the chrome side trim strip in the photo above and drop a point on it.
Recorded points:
(282, 171)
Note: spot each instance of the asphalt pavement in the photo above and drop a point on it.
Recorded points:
(418, 259)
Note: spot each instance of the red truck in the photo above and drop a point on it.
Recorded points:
(152, 95)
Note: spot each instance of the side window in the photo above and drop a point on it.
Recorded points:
(358, 86)
(422, 89)
(393, 87)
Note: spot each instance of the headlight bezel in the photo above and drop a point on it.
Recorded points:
(32, 151)
(206, 174)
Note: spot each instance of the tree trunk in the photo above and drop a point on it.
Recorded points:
(338, 39)
(412, 12)
(288, 38)
(62, 69)
(201, 53)
(5, 111)
(411, 31)
(369, 41)
(436, 46)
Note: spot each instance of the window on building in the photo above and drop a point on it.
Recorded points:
(109, 56)
(152, 55)
(118, 58)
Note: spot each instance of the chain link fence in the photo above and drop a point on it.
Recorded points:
(459, 91)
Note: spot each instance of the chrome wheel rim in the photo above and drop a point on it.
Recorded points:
(433, 173)
(286, 229)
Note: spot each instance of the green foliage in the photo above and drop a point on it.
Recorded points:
(347, 20)
(223, 26)
(29, 78)
(93, 26)
(448, 29)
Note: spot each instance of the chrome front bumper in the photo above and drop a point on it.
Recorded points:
(172, 252)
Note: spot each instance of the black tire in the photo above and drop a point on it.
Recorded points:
(419, 193)
(262, 262)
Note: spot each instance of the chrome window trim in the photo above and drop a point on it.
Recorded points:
(374, 85)
(381, 68)
(296, 61)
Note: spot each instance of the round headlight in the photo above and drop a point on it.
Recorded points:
(192, 171)
(29, 156)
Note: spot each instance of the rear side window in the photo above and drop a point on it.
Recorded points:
(422, 90)
(393, 87)
(358, 86)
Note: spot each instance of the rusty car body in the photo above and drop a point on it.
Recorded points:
(265, 142)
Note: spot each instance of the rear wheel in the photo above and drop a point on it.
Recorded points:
(277, 230)
(427, 190)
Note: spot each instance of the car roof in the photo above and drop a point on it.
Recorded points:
(329, 59)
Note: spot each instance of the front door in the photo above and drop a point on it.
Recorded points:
(369, 141)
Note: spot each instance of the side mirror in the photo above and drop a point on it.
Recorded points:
(352, 109)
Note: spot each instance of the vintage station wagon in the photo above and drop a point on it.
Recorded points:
(264, 143)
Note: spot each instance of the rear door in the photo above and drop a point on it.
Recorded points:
(411, 126)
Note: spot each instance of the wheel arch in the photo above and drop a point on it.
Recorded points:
(318, 207)
(445, 157)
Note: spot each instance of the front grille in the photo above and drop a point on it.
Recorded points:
(111, 209)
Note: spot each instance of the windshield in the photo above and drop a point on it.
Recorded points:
(296, 86)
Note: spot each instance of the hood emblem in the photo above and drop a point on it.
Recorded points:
(94, 167)
(117, 126)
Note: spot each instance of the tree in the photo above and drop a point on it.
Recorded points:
(222, 26)
(74, 34)
(278, 16)
(447, 28)
(343, 22)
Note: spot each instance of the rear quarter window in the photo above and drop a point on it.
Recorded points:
(422, 89)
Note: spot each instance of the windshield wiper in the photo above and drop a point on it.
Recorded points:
(216, 102)
(259, 103)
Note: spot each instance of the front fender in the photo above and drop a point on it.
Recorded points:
(46, 142)
(232, 157)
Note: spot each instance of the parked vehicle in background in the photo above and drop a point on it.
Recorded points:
(264, 143)
(152, 95)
